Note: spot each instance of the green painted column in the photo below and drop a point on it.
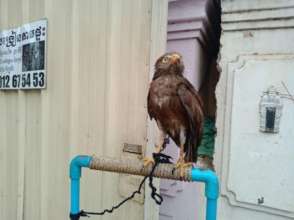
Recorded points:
(206, 147)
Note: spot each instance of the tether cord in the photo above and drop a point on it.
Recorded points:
(158, 158)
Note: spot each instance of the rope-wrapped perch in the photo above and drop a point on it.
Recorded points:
(136, 167)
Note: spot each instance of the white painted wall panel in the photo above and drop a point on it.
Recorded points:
(265, 156)
(256, 53)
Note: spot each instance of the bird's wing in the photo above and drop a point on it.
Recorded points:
(192, 89)
(193, 106)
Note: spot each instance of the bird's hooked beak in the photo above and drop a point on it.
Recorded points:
(175, 58)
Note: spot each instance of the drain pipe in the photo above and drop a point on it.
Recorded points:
(135, 167)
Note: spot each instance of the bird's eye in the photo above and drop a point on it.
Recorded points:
(165, 60)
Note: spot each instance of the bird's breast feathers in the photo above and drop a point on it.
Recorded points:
(163, 91)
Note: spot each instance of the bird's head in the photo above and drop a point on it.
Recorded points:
(170, 63)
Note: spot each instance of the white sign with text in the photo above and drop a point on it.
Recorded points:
(22, 56)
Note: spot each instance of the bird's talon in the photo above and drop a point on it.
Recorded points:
(182, 167)
(148, 161)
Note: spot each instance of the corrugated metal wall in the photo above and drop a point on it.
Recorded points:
(98, 64)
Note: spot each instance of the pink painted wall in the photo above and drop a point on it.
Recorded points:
(194, 58)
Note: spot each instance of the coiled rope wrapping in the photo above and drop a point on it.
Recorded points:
(136, 167)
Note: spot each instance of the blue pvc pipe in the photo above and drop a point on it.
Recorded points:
(211, 190)
(75, 174)
(75, 196)
(211, 209)
(208, 177)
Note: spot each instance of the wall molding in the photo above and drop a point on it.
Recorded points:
(225, 96)
(235, 6)
(258, 18)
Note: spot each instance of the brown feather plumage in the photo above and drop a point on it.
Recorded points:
(175, 104)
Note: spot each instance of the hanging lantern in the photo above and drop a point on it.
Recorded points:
(270, 110)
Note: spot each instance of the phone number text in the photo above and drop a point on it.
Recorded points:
(33, 80)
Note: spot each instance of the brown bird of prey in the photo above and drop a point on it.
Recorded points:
(177, 108)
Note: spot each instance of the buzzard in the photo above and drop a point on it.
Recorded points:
(177, 108)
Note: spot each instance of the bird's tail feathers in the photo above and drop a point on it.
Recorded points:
(191, 146)
(192, 142)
